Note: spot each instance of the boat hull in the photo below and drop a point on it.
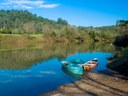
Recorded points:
(89, 67)
(73, 69)
(72, 74)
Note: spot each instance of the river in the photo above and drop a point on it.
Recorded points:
(32, 70)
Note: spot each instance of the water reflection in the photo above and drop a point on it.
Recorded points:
(30, 72)
(25, 58)
(40, 78)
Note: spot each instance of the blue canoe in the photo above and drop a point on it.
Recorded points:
(71, 67)
(76, 76)
(77, 61)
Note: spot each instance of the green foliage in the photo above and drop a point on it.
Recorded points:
(24, 22)
(120, 63)
(122, 22)
(19, 21)
(122, 38)
(62, 22)
(6, 31)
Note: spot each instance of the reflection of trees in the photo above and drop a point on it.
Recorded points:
(24, 58)
(100, 47)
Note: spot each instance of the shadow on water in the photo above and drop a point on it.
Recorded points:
(29, 71)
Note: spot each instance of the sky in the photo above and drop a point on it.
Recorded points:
(76, 12)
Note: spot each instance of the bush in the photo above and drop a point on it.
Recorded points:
(121, 41)
(6, 31)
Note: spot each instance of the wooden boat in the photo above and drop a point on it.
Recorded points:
(80, 68)
(90, 65)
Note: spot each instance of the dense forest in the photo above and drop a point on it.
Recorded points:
(24, 22)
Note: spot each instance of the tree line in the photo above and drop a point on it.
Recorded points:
(24, 22)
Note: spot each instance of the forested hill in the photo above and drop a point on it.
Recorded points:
(19, 21)
(24, 22)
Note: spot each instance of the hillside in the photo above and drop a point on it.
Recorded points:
(19, 21)
(24, 22)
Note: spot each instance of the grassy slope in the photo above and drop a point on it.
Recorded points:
(37, 38)
(15, 38)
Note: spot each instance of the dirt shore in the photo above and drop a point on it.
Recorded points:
(93, 84)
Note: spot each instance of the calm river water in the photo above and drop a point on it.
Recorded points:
(33, 70)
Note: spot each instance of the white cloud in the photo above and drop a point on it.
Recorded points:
(49, 5)
(26, 7)
(27, 4)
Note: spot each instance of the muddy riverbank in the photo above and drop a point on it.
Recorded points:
(93, 84)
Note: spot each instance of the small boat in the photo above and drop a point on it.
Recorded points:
(76, 76)
(80, 68)
(90, 65)
(71, 67)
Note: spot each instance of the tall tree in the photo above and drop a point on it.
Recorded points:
(62, 22)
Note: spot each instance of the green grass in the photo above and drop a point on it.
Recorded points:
(15, 38)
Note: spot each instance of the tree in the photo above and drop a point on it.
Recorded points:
(62, 22)
(122, 39)
(123, 26)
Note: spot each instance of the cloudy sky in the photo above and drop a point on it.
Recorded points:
(76, 12)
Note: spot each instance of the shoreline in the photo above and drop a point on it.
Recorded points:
(93, 84)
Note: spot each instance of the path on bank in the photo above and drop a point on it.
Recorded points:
(93, 84)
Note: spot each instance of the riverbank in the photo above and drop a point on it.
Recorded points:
(119, 62)
(34, 38)
(40, 38)
(20, 38)
(93, 84)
